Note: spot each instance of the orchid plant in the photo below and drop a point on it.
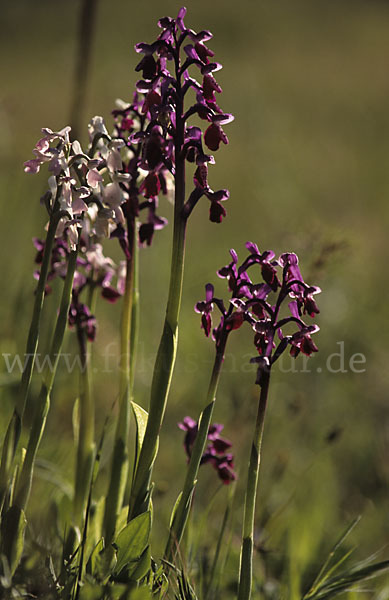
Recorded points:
(113, 191)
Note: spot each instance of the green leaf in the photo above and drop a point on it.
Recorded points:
(141, 593)
(347, 580)
(12, 536)
(71, 544)
(175, 510)
(164, 586)
(106, 562)
(333, 561)
(141, 417)
(121, 520)
(141, 567)
(92, 566)
(186, 592)
(135, 570)
(76, 421)
(101, 562)
(91, 591)
(133, 540)
(120, 592)
(337, 565)
(95, 527)
(129, 592)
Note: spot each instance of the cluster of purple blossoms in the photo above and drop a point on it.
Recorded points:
(216, 451)
(94, 270)
(58, 259)
(165, 136)
(125, 173)
(143, 187)
(261, 304)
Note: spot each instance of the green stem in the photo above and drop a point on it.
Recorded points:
(119, 469)
(23, 486)
(166, 355)
(86, 434)
(134, 316)
(184, 504)
(12, 435)
(134, 345)
(246, 560)
(164, 364)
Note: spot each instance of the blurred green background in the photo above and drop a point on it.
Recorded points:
(307, 170)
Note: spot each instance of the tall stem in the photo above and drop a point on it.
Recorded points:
(134, 315)
(23, 486)
(184, 504)
(12, 435)
(246, 560)
(86, 434)
(119, 469)
(134, 345)
(166, 355)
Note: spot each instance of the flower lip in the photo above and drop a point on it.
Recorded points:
(222, 119)
(187, 424)
(213, 137)
(210, 68)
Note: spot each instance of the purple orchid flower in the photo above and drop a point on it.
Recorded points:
(216, 451)
(93, 269)
(155, 127)
(163, 106)
(205, 309)
(81, 318)
(144, 185)
(254, 303)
